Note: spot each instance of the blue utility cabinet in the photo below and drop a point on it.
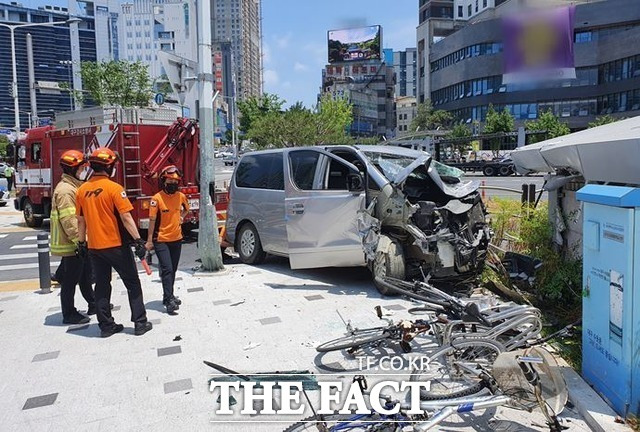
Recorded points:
(611, 306)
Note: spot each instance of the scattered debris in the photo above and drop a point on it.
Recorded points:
(177, 338)
(251, 346)
(237, 304)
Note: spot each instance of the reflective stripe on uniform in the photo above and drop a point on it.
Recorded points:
(55, 216)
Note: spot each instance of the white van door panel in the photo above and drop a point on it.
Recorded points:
(320, 215)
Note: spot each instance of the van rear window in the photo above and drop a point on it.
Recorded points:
(261, 171)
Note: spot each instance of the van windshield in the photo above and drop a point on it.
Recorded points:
(388, 163)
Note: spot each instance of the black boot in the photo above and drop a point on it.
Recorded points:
(142, 328)
(172, 308)
(115, 328)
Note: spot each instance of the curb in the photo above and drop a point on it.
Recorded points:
(598, 415)
(23, 285)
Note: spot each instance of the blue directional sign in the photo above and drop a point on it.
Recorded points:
(5, 131)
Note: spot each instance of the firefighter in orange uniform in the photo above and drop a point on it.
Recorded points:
(166, 212)
(104, 219)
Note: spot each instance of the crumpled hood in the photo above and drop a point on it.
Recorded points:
(458, 190)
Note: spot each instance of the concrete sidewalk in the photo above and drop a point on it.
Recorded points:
(253, 319)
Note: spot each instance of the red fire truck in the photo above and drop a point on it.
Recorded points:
(147, 139)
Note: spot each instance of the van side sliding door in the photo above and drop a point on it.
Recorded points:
(320, 212)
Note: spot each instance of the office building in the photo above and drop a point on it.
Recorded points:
(405, 67)
(369, 86)
(57, 52)
(465, 69)
(406, 109)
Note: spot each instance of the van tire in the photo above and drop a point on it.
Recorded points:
(29, 212)
(389, 262)
(249, 246)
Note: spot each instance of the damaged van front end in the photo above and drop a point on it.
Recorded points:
(425, 222)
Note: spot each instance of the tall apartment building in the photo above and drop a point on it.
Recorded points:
(239, 22)
(405, 67)
(57, 52)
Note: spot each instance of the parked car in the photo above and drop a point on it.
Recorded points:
(395, 210)
(229, 160)
(5, 197)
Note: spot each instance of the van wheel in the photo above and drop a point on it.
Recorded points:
(389, 261)
(489, 171)
(505, 171)
(30, 217)
(249, 245)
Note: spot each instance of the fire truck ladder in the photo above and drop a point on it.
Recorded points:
(130, 162)
(179, 134)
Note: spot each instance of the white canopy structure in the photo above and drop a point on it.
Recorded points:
(609, 153)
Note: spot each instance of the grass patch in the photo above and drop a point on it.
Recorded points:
(557, 290)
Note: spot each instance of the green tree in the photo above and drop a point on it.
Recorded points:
(603, 120)
(497, 122)
(254, 107)
(462, 134)
(4, 143)
(547, 121)
(332, 117)
(428, 118)
(299, 126)
(116, 82)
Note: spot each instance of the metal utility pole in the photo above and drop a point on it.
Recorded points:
(208, 243)
(32, 81)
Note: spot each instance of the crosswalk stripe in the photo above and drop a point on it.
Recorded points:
(30, 238)
(3, 236)
(24, 246)
(18, 256)
(25, 266)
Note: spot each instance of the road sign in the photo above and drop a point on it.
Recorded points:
(159, 98)
(5, 131)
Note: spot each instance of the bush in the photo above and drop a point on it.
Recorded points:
(557, 290)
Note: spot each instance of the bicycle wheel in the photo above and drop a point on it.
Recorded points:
(355, 339)
(348, 422)
(454, 371)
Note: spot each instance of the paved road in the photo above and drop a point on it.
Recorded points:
(18, 251)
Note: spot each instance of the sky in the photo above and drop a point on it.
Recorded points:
(295, 38)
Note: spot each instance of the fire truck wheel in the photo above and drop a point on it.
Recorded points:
(30, 217)
(249, 246)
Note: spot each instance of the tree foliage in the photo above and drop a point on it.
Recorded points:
(428, 118)
(497, 122)
(547, 121)
(254, 107)
(4, 143)
(116, 82)
(603, 120)
(460, 131)
(299, 126)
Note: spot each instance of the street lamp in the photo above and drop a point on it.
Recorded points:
(28, 113)
(14, 84)
(69, 63)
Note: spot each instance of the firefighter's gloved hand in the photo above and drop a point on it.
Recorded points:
(82, 251)
(141, 250)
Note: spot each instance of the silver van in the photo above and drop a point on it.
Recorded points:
(392, 209)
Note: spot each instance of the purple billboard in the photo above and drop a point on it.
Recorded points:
(538, 45)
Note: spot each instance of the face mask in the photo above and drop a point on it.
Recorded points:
(83, 174)
(171, 188)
